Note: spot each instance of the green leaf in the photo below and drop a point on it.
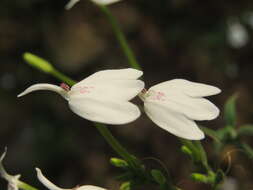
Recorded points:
(125, 176)
(158, 176)
(230, 111)
(192, 149)
(227, 134)
(247, 149)
(211, 133)
(119, 163)
(186, 150)
(125, 186)
(219, 176)
(202, 154)
(246, 130)
(199, 177)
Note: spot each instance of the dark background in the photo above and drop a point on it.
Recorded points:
(171, 39)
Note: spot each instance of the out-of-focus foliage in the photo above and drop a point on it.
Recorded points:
(171, 38)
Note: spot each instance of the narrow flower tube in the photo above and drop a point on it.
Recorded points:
(72, 3)
(52, 186)
(174, 105)
(102, 97)
(12, 180)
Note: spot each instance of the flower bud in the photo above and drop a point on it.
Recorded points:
(118, 163)
(38, 62)
(199, 177)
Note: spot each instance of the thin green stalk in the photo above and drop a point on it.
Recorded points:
(247, 149)
(25, 186)
(203, 156)
(117, 147)
(121, 38)
(62, 77)
(199, 154)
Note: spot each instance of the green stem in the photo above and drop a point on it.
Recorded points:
(62, 77)
(199, 154)
(25, 186)
(117, 147)
(247, 149)
(121, 38)
(203, 156)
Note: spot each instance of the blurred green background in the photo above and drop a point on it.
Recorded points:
(204, 41)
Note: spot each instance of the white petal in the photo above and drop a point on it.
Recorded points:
(42, 86)
(113, 89)
(105, 2)
(116, 74)
(173, 122)
(193, 89)
(3, 155)
(104, 111)
(90, 187)
(3, 173)
(46, 182)
(71, 4)
(13, 182)
(194, 108)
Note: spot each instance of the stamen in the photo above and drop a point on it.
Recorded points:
(144, 91)
(142, 94)
(64, 86)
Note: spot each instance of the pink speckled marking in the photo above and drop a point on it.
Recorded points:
(65, 87)
(160, 96)
(85, 89)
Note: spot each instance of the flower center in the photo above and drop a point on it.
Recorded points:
(84, 89)
(65, 87)
(152, 95)
(156, 95)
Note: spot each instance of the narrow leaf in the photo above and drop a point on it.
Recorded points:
(246, 130)
(158, 176)
(211, 133)
(230, 111)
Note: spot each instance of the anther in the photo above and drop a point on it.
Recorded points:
(144, 90)
(65, 87)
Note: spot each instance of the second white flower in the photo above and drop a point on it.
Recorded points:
(174, 105)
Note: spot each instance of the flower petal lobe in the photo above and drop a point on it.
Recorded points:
(173, 122)
(113, 89)
(192, 89)
(105, 110)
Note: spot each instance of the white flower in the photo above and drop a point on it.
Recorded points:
(102, 97)
(51, 186)
(99, 2)
(12, 180)
(174, 105)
